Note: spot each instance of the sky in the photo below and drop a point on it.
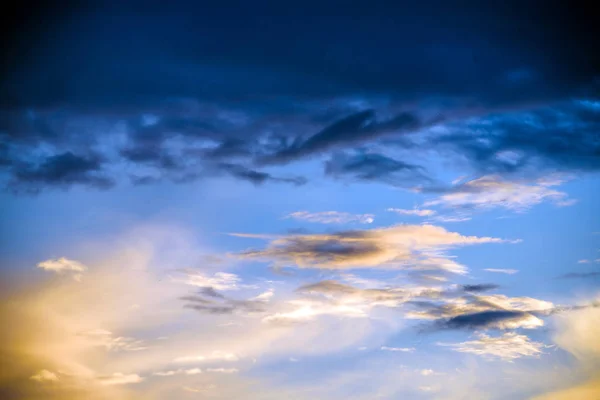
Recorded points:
(300, 200)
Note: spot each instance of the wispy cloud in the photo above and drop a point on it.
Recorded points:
(507, 347)
(219, 281)
(332, 217)
(398, 246)
(398, 349)
(415, 212)
(502, 271)
(493, 191)
(120, 379)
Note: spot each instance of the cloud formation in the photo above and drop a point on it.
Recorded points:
(63, 265)
(396, 246)
(507, 347)
(417, 212)
(331, 217)
(493, 191)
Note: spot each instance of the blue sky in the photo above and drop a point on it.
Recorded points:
(385, 202)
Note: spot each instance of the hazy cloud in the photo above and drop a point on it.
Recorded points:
(331, 217)
(507, 347)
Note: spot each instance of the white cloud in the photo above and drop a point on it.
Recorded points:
(492, 191)
(223, 370)
(219, 281)
(64, 265)
(308, 309)
(502, 271)
(120, 379)
(416, 212)
(516, 303)
(332, 217)
(44, 376)
(507, 347)
(265, 296)
(191, 371)
(450, 218)
(105, 338)
(399, 349)
(583, 262)
(214, 356)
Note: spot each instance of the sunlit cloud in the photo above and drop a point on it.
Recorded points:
(396, 246)
(44, 376)
(219, 281)
(64, 265)
(493, 191)
(507, 347)
(120, 379)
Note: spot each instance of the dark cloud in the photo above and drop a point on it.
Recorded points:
(481, 287)
(62, 170)
(359, 127)
(483, 320)
(564, 137)
(256, 84)
(256, 177)
(375, 167)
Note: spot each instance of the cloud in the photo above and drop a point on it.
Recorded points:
(354, 128)
(387, 297)
(256, 177)
(373, 167)
(480, 287)
(580, 275)
(64, 265)
(209, 301)
(305, 310)
(191, 371)
(493, 191)
(214, 356)
(507, 347)
(417, 212)
(480, 312)
(395, 246)
(554, 137)
(62, 170)
(106, 339)
(398, 349)
(577, 333)
(223, 370)
(492, 320)
(44, 376)
(120, 379)
(332, 217)
(219, 281)
(501, 271)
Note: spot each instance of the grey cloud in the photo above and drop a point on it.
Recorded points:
(373, 167)
(359, 127)
(482, 320)
(61, 170)
(212, 302)
(481, 287)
